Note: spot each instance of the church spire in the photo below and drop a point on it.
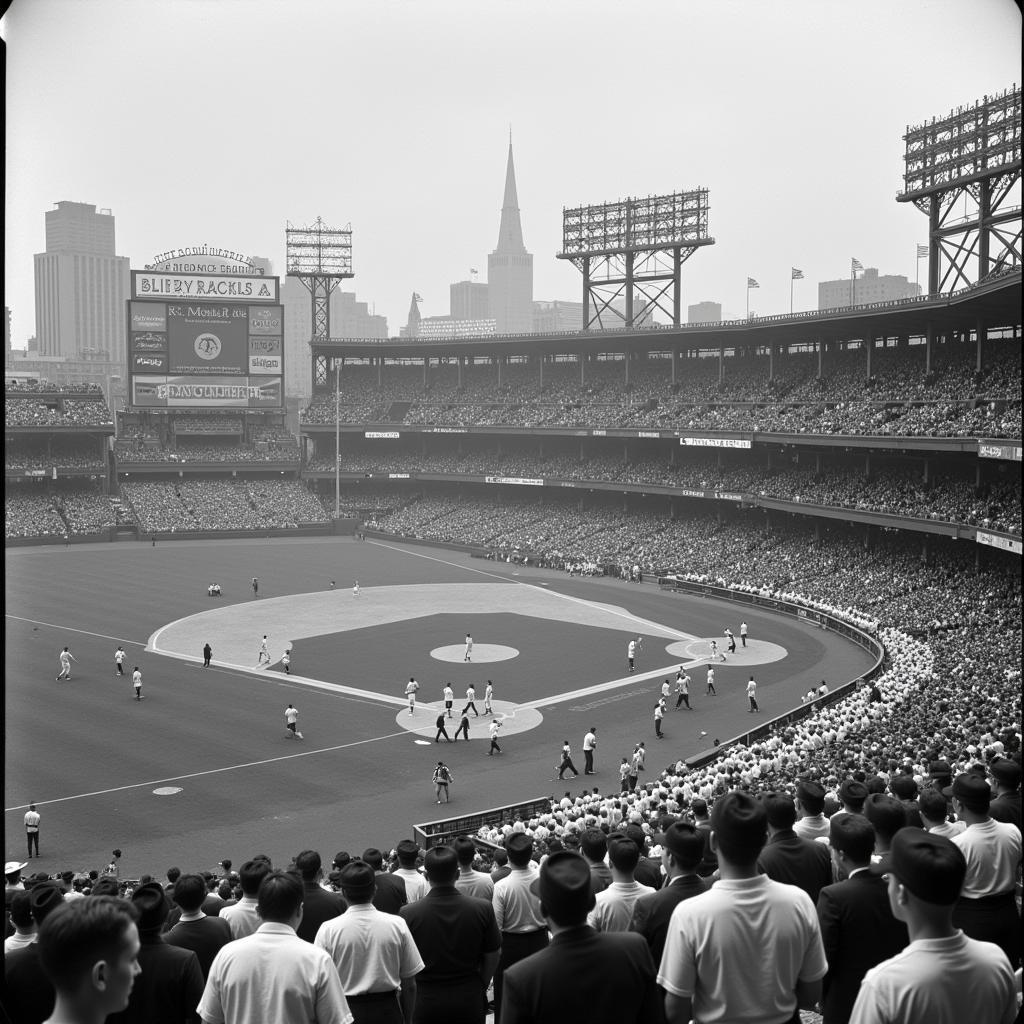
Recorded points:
(510, 233)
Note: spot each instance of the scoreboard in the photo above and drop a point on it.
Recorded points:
(205, 341)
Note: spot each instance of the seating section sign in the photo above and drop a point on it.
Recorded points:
(204, 353)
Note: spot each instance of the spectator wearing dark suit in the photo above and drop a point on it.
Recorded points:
(170, 983)
(611, 971)
(594, 847)
(788, 858)
(458, 939)
(905, 789)
(648, 870)
(888, 816)
(389, 896)
(682, 848)
(197, 931)
(318, 905)
(857, 924)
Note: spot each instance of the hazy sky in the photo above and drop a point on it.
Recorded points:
(216, 121)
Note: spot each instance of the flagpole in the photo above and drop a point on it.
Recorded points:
(748, 299)
(791, 292)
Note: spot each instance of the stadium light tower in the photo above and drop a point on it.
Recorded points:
(973, 152)
(320, 257)
(634, 248)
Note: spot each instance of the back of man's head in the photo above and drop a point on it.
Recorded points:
(465, 850)
(407, 852)
(886, 813)
(932, 805)
(739, 824)
(173, 874)
(812, 798)
(308, 864)
(854, 836)
(371, 856)
(499, 857)
(593, 844)
(623, 855)
(44, 898)
(519, 848)
(189, 892)
(781, 810)
(21, 910)
(441, 865)
(251, 874)
(82, 934)
(280, 897)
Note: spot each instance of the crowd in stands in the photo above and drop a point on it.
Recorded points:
(184, 505)
(23, 454)
(189, 452)
(46, 387)
(926, 757)
(898, 399)
(66, 511)
(59, 412)
(206, 424)
(886, 490)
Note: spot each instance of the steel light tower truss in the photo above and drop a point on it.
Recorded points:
(633, 250)
(319, 257)
(973, 153)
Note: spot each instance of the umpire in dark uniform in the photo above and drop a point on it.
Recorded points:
(612, 973)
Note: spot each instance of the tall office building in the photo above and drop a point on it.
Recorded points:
(469, 300)
(510, 266)
(869, 287)
(704, 313)
(81, 285)
(559, 315)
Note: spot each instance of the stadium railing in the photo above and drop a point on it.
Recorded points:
(437, 833)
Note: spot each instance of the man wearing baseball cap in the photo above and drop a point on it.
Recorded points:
(612, 973)
(992, 849)
(749, 948)
(942, 977)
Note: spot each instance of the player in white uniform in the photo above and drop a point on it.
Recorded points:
(137, 682)
(264, 653)
(666, 689)
(469, 648)
(66, 657)
(711, 691)
(449, 698)
(488, 694)
(743, 634)
(631, 654)
(410, 691)
(291, 717)
(119, 657)
(682, 689)
(751, 695)
(355, 589)
(471, 700)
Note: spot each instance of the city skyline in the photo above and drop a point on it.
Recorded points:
(792, 115)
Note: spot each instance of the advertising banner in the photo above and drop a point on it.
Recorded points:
(376, 435)
(998, 450)
(154, 362)
(217, 287)
(208, 340)
(715, 442)
(213, 392)
(148, 341)
(525, 481)
(148, 316)
(997, 540)
(265, 355)
(266, 320)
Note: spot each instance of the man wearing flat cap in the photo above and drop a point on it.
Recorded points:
(992, 849)
(749, 948)
(582, 973)
(170, 984)
(374, 952)
(1005, 777)
(943, 976)
(682, 849)
(29, 995)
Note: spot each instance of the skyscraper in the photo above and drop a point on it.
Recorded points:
(510, 266)
(81, 284)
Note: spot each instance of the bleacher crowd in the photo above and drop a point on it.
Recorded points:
(914, 776)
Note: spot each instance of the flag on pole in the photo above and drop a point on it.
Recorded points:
(855, 265)
(751, 283)
(922, 251)
(798, 275)
(473, 270)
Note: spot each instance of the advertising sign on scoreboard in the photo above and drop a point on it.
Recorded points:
(195, 344)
